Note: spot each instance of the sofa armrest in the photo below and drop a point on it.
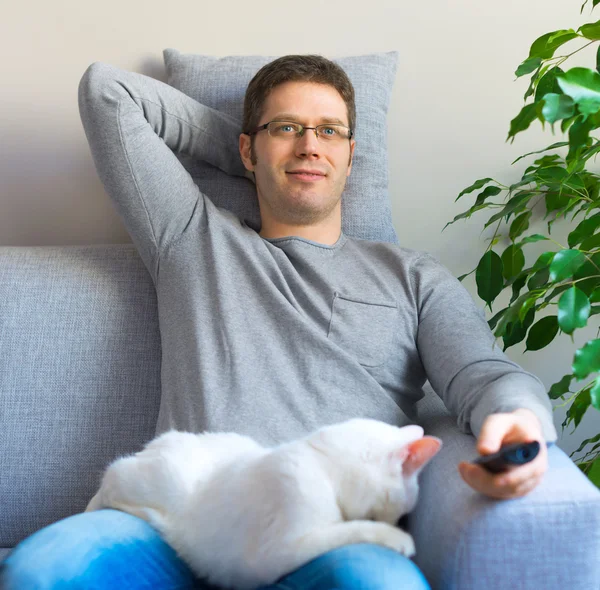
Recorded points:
(464, 540)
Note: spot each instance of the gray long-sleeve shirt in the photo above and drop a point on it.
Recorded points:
(276, 337)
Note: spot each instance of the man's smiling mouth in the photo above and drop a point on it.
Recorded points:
(306, 175)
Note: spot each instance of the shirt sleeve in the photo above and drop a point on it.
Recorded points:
(464, 363)
(134, 124)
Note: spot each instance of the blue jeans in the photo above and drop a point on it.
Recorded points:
(109, 549)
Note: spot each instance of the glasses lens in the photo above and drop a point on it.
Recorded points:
(284, 129)
(332, 132)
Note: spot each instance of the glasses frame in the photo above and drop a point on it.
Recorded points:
(302, 128)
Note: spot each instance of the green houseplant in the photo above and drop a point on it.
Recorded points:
(566, 278)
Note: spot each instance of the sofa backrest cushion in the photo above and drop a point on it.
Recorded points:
(79, 376)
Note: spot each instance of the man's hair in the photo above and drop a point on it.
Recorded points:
(295, 68)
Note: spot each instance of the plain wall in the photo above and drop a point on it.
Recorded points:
(454, 96)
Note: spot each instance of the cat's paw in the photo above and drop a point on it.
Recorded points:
(399, 541)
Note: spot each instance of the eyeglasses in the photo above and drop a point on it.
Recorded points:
(329, 132)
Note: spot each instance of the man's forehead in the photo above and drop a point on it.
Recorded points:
(288, 116)
(299, 100)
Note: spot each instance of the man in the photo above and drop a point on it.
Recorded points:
(274, 333)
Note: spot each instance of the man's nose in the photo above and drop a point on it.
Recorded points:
(308, 144)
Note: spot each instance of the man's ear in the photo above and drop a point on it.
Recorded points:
(352, 145)
(245, 151)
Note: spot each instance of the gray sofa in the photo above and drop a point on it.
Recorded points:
(80, 384)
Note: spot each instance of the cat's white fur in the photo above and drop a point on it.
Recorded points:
(242, 515)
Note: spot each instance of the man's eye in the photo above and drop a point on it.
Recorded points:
(328, 130)
(286, 128)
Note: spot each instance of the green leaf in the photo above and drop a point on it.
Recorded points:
(517, 286)
(557, 107)
(589, 106)
(544, 260)
(580, 84)
(566, 123)
(477, 184)
(548, 160)
(555, 200)
(540, 71)
(528, 304)
(577, 180)
(561, 387)
(590, 267)
(579, 406)
(595, 394)
(523, 120)
(590, 243)
(528, 66)
(517, 202)
(588, 440)
(586, 228)
(552, 175)
(548, 84)
(545, 46)
(519, 225)
(589, 272)
(513, 261)
(550, 147)
(565, 263)
(588, 153)
(590, 31)
(593, 5)
(489, 277)
(493, 321)
(467, 214)
(579, 137)
(557, 291)
(511, 315)
(587, 360)
(595, 296)
(527, 179)
(489, 191)
(594, 472)
(573, 310)
(532, 238)
(517, 330)
(542, 333)
(539, 279)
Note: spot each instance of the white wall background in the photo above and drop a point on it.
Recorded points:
(454, 97)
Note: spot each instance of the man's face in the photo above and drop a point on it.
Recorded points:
(285, 195)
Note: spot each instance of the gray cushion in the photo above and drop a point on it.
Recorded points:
(79, 376)
(220, 83)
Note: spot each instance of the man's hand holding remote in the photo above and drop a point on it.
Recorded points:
(519, 426)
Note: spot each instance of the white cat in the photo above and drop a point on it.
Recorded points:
(242, 515)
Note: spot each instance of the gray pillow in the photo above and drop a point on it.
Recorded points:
(220, 83)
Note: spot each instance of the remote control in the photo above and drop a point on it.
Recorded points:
(509, 456)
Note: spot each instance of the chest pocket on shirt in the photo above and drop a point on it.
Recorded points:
(364, 329)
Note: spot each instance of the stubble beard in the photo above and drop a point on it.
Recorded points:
(297, 206)
(302, 211)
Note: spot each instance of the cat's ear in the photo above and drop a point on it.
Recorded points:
(411, 458)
